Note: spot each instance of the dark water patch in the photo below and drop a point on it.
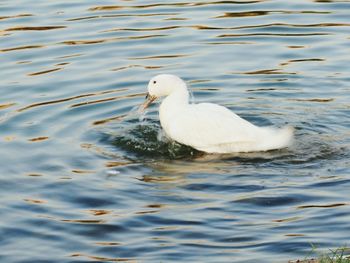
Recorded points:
(157, 220)
(331, 183)
(219, 188)
(264, 201)
(147, 141)
(311, 150)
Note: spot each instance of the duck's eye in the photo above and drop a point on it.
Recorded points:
(154, 82)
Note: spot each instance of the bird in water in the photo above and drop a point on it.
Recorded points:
(209, 127)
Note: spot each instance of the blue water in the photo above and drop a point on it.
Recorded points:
(84, 178)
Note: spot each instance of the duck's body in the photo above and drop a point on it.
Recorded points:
(210, 127)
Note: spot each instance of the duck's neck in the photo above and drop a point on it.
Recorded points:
(172, 104)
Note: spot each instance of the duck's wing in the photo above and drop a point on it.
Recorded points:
(206, 125)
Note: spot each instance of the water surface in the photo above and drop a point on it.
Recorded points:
(85, 179)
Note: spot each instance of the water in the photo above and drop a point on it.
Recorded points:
(85, 179)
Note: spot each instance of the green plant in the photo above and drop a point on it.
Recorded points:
(340, 255)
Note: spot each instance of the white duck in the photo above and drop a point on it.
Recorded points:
(209, 127)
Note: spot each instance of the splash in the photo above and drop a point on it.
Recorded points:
(145, 138)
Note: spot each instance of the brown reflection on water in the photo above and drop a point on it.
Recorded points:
(176, 19)
(78, 171)
(9, 138)
(142, 29)
(44, 72)
(94, 102)
(322, 206)
(296, 47)
(146, 212)
(106, 8)
(262, 13)
(314, 100)
(274, 35)
(331, 1)
(105, 40)
(82, 18)
(161, 179)
(108, 99)
(34, 28)
(6, 105)
(268, 72)
(103, 259)
(34, 174)
(83, 221)
(62, 64)
(70, 56)
(205, 27)
(99, 212)
(230, 43)
(34, 201)
(295, 235)
(104, 121)
(15, 16)
(44, 103)
(137, 66)
(109, 243)
(203, 163)
(98, 150)
(286, 220)
(260, 89)
(290, 25)
(156, 206)
(244, 14)
(37, 139)
(160, 57)
(111, 164)
(21, 48)
(185, 4)
(119, 15)
(302, 60)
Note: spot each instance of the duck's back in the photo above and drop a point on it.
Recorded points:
(213, 128)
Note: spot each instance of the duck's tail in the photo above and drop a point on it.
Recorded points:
(274, 138)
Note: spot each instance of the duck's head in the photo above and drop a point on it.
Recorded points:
(162, 85)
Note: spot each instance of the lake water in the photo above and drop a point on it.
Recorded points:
(83, 178)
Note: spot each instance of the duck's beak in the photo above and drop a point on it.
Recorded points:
(148, 101)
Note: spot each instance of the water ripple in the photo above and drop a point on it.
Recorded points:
(85, 177)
